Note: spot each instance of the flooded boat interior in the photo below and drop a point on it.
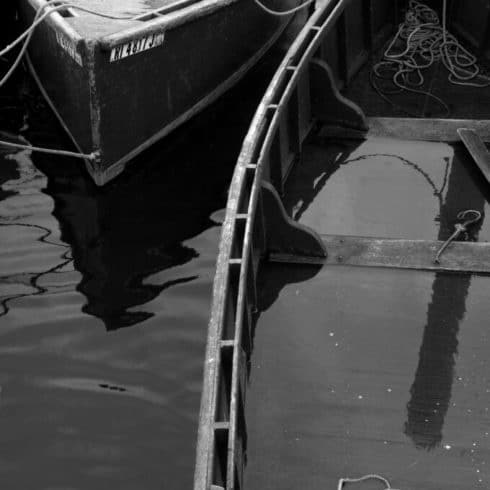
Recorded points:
(409, 174)
(377, 370)
(368, 351)
(387, 366)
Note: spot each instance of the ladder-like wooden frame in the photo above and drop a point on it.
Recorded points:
(302, 92)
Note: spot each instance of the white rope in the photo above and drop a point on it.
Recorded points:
(18, 146)
(283, 12)
(49, 8)
(426, 41)
(42, 13)
(27, 35)
(343, 481)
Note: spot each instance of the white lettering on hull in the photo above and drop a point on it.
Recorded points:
(136, 46)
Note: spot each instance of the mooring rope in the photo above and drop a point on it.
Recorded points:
(425, 41)
(343, 481)
(41, 14)
(47, 9)
(18, 146)
(26, 36)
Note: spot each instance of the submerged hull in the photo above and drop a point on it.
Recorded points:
(118, 92)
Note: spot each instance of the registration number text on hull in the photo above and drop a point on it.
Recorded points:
(136, 46)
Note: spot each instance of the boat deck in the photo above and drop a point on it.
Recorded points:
(92, 26)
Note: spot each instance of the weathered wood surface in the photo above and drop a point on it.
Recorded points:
(328, 104)
(412, 129)
(285, 235)
(280, 126)
(399, 254)
(477, 149)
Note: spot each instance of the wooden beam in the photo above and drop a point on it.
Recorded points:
(477, 150)
(399, 254)
(412, 129)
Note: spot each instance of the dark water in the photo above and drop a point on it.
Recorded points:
(104, 300)
(362, 370)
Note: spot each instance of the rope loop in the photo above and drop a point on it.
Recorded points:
(373, 476)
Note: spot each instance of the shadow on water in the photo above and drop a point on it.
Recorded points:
(430, 394)
(462, 188)
(136, 227)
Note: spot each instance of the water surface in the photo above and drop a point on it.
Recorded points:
(104, 300)
(362, 370)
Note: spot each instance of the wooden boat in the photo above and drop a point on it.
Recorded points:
(120, 85)
(337, 189)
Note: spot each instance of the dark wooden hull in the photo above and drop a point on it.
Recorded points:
(7, 23)
(120, 107)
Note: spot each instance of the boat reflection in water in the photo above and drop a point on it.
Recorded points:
(138, 225)
(125, 232)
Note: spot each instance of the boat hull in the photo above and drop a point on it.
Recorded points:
(304, 134)
(118, 104)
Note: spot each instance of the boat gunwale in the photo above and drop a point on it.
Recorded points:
(257, 142)
(56, 20)
(168, 21)
(165, 21)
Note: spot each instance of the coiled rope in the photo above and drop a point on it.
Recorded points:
(425, 41)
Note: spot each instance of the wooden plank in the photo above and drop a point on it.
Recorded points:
(399, 254)
(412, 129)
(477, 150)
(424, 129)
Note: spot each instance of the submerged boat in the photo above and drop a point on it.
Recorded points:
(120, 75)
(348, 335)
